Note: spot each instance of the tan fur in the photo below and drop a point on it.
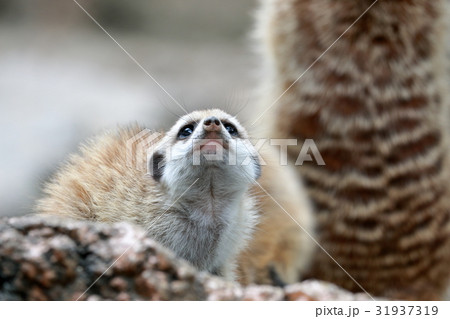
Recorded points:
(95, 183)
(100, 185)
(375, 106)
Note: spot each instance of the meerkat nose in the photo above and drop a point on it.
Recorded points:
(212, 124)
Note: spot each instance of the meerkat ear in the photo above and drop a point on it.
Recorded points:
(156, 165)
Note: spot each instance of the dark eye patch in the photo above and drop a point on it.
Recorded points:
(185, 131)
(231, 129)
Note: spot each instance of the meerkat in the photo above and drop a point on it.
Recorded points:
(281, 250)
(205, 212)
(374, 102)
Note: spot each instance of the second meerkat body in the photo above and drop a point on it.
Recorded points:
(375, 105)
(204, 210)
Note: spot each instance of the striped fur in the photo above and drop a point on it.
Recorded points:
(375, 105)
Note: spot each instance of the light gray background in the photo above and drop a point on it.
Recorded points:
(63, 79)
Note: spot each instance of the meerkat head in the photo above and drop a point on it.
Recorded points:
(205, 144)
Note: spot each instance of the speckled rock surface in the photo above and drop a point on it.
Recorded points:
(51, 259)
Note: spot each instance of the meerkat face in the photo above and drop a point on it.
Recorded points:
(205, 142)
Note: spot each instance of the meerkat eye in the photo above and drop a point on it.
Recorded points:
(185, 131)
(231, 129)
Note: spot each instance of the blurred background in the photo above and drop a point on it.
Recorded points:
(62, 79)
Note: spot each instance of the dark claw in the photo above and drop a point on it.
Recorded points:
(276, 280)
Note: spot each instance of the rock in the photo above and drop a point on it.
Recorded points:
(321, 290)
(55, 259)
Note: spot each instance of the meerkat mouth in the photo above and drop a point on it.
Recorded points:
(213, 142)
(212, 146)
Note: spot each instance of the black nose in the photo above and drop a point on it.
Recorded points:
(211, 120)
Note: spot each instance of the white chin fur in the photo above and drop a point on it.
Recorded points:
(233, 169)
